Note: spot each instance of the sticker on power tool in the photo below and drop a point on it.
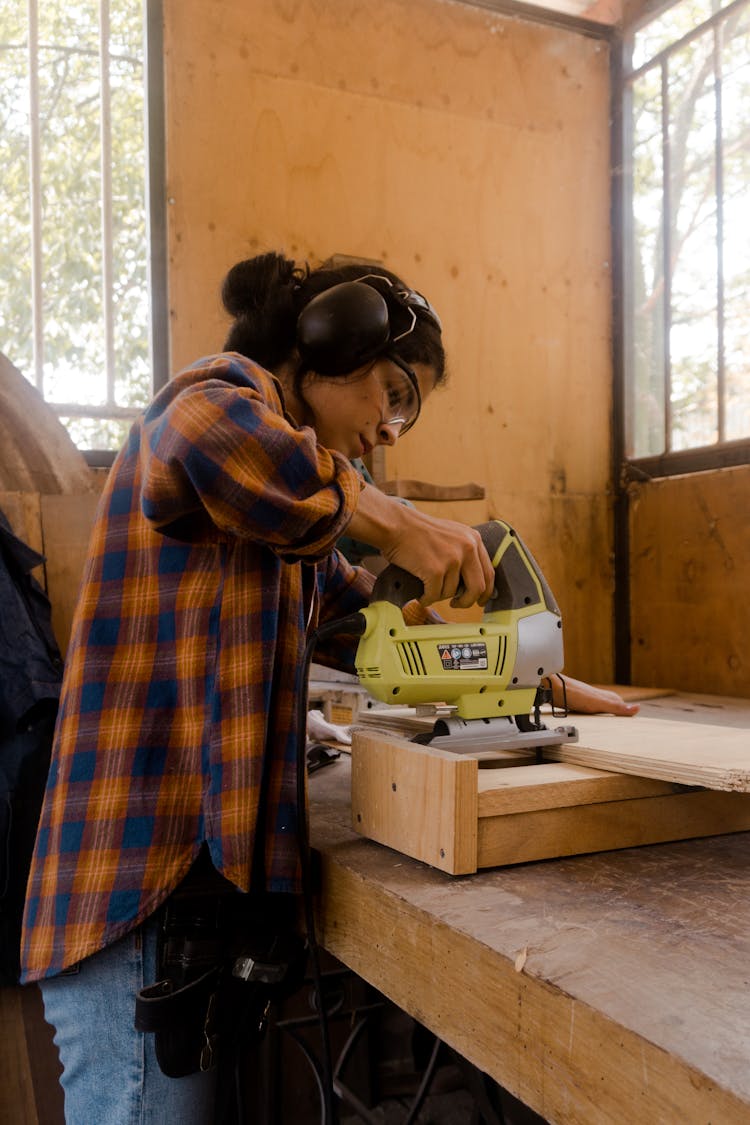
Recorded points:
(463, 657)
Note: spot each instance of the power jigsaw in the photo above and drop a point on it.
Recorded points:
(490, 672)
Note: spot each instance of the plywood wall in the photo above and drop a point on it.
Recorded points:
(690, 616)
(467, 151)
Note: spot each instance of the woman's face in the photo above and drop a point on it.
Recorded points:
(354, 413)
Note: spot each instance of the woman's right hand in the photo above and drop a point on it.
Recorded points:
(448, 557)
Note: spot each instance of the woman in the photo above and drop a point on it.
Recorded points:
(212, 555)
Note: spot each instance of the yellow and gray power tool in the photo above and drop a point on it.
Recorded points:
(490, 671)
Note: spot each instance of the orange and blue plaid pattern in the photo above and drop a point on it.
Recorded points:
(211, 553)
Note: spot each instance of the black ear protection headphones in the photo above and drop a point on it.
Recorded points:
(349, 325)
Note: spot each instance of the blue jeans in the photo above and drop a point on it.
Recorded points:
(110, 1073)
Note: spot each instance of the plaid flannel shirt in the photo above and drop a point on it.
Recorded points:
(211, 553)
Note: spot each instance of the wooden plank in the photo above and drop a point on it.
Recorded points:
(550, 833)
(684, 752)
(421, 800)
(552, 785)
(66, 527)
(424, 490)
(17, 1102)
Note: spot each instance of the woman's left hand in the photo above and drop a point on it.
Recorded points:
(590, 700)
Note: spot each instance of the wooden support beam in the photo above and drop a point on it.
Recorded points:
(423, 490)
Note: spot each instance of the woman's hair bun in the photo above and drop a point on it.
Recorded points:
(250, 283)
(261, 294)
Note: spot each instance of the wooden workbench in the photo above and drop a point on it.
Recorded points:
(602, 988)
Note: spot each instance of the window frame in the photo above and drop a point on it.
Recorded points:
(156, 227)
(671, 462)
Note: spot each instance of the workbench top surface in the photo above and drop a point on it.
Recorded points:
(623, 977)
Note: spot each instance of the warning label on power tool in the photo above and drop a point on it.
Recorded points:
(463, 657)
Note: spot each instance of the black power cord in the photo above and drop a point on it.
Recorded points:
(354, 625)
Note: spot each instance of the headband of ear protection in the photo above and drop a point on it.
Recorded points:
(349, 325)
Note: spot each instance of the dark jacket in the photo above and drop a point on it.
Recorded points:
(30, 676)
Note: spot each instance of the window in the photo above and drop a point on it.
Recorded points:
(687, 240)
(77, 286)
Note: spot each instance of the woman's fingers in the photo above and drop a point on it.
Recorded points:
(457, 566)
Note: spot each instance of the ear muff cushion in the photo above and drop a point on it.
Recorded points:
(342, 328)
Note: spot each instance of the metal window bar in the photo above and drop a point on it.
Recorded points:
(719, 172)
(666, 251)
(156, 175)
(106, 201)
(35, 197)
(621, 97)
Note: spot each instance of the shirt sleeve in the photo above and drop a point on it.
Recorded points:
(220, 454)
(343, 590)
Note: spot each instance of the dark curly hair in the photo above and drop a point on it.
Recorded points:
(266, 295)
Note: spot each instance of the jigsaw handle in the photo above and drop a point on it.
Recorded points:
(398, 586)
(519, 582)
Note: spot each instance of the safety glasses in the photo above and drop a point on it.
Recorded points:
(403, 400)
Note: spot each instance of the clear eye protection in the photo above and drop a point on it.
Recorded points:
(402, 401)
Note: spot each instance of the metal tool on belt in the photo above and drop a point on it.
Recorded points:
(490, 671)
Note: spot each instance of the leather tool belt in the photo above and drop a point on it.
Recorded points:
(223, 957)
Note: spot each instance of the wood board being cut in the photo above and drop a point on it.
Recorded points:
(457, 815)
(688, 753)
